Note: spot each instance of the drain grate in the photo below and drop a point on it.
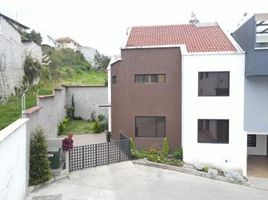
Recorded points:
(48, 197)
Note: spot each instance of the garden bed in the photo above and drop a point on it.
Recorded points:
(78, 127)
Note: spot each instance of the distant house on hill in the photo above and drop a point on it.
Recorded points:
(68, 43)
(89, 54)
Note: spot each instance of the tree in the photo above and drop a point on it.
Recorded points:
(33, 36)
(39, 163)
(32, 69)
(101, 61)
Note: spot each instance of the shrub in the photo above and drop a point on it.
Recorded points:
(62, 126)
(178, 153)
(165, 147)
(96, 127)
(93, 116)
(133, 144)
(32, 69)
(101, 117)
(205, 169)
(103, 125)
(39, 163)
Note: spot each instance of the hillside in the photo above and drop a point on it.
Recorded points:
(65, 67)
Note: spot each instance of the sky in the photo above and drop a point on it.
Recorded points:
(103, 24)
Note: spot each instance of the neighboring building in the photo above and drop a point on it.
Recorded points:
(89, 54)
(12, 55)
(186, 83)
(252, 36)
(67, 43)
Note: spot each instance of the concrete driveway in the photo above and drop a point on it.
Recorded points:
(128, 181)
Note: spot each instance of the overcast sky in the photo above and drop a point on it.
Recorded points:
(103, 24)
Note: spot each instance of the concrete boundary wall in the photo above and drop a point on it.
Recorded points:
(50, 109)
(13, 177)
(88, 99)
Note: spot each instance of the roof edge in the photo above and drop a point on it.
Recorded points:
(14, 21)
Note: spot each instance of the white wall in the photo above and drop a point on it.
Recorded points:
(261, 146)
(33, 49)
(256, 106)
(232, 155)
(89, 54)
(88, 99)
(11, 58)
(13, 184)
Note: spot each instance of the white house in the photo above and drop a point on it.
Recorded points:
(67, 43)
(211, 79)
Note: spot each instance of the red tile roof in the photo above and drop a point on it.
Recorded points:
(209, 38)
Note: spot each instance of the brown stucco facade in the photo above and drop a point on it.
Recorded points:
(130, 99)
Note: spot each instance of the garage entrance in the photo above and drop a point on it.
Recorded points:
(257, 162)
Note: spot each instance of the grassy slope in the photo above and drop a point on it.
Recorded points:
(11, 111)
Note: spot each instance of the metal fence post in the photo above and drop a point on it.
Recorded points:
(120, 150)
(96, 155)
(108, 153)
(83, 157)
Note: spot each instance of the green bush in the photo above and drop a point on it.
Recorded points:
(103, 125)
(165, 147)
(96, 127)
(32, 70)
(93, 116)
(178, 153)
(205, 169)
(63, 125)
(39, 163)
(101, 117)
(133, 144)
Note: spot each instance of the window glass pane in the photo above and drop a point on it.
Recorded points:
(145, 126)
(261, 33)
(154, 78)
(162, 78)
(150, 127)
(150, 78)
(138, 78)
(213, 83)
(161, 125)
(251, 140)
(213, 131)
(145, 78)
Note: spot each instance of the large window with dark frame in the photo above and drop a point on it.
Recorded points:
(261, 34)
(150, 78)
(213, 131)
(251, 140)
(150, 126)
(213, 83)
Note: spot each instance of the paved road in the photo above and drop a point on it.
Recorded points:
(128, 181)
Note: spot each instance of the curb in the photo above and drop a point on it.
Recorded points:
(145, 162)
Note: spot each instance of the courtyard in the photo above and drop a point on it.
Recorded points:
(130, 181)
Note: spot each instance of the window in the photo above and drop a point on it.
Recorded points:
(114, 80)
(150, 78)
(213, 131)
(213, 83)
(150, 127)
(261, 34)
(251, 140)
